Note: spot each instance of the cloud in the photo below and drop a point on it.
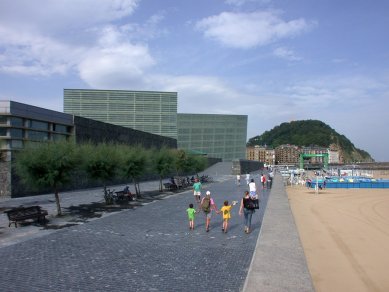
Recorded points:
(286, 54)
(32, 54)
(59, 38)
(63, 15)
(242, 2)
(115, 63)
(248, 30)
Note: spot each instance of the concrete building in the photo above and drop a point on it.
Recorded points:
(287, 154)
(261, 153)
(148, 111)
(218, 136)
(22, 123)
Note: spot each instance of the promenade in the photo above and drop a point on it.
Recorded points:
(150, 247)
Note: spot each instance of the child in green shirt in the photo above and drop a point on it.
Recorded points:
(191, 216)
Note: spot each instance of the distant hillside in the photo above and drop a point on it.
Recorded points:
(311, 132)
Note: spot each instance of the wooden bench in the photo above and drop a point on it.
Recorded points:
(19, 214)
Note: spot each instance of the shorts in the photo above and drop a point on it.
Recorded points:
(197, 193)
(253, 193)
(208, 215)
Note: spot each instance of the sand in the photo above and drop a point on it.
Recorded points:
(345, 236)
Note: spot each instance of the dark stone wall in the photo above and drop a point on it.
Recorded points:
(243, 166)
(5, 178)
(88, 130)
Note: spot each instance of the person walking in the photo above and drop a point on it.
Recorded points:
(247, 210)
(191, 216)
(238, 179)
(253, 189)
(263, 181)
(247, 178)
(197, 190)
(208, 205)
(226, 212)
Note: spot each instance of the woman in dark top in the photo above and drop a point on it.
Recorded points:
(247, 211)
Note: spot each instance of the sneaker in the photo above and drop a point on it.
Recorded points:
(207, 230)
(222, 229)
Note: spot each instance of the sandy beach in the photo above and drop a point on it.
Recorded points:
(345, 236)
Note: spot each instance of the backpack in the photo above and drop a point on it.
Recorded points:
(249, 204)
(206, 205)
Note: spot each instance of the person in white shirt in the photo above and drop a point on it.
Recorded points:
(253, 189)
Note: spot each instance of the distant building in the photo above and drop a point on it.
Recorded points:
(219, 136)
(287, 154)
(261, 153)
(148, 111)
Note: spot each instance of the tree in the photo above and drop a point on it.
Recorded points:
(134, 162)
(163, 162)
(181, 161)
(47, 165)
(100, 161)
(198, 163)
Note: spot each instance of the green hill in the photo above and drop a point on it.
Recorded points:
(311, 132)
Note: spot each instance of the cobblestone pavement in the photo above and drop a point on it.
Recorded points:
(143, 249)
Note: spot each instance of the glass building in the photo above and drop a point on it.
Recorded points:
(22, 123)
(149, 111)
(219, 136)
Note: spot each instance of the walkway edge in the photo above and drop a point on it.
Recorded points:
(278, 263)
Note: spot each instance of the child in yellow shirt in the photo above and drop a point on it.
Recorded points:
(226, 211)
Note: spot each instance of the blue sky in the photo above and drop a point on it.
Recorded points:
(275, 61)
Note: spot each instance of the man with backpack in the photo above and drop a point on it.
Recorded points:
(207, 205)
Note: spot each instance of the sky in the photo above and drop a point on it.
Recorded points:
(274, 60)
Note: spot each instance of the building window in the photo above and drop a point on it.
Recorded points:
(16, 133)
(3, 120)
(38, 136)
(3, 131)
(60, 128)
(16, 144)
(16, 122)
(37, 125)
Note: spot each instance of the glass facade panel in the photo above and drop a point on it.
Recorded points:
(16, 144)
(220, 136)
(150, 111)
(16, 133)
(38, 125)
(35, 135)
(3, 120)
(60, 128)
(16, 122)
(3, 131)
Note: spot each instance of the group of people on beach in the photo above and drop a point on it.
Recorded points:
(207, 205)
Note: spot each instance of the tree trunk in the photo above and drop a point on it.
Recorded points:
(160, 184)
(136, 189)
(59, 213)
